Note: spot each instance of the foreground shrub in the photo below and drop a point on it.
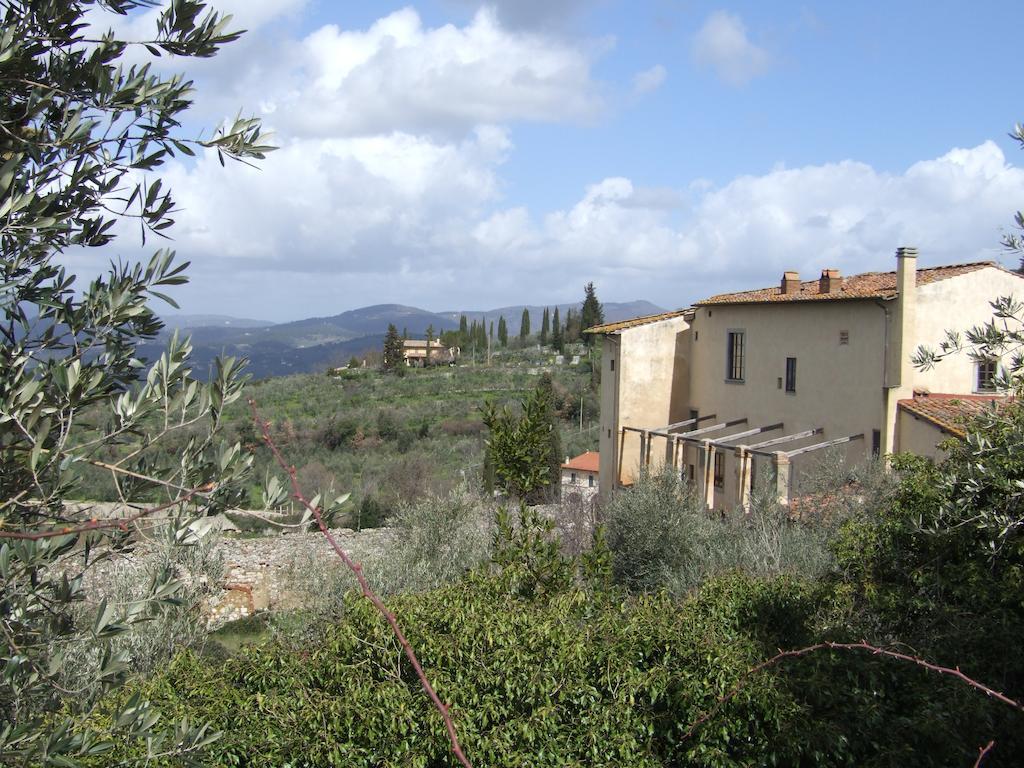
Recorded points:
(566, 678)
(437, 540)
(661, 536)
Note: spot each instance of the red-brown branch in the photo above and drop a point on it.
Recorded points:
(982, 751)
(121, 523)
(364, 586)
(861, 646)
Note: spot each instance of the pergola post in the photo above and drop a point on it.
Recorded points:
(782, 467)
(708, 449)
(743, 476)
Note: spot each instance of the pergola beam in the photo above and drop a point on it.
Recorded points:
(787, 438)
(740, 435)
(826, 444)
(713, 428)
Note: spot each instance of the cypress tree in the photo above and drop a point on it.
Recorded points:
(502, 331)
(545, 327)
(393, 349)
(524, 326)
(557, 339)
(592, 313)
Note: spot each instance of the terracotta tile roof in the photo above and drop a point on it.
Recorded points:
(585, 462)
(868, 285)
(637, 321)
(951, 412)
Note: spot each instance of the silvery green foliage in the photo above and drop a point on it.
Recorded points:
(1014, 242)
(437, 540)
(81, 132)
(1001, 338)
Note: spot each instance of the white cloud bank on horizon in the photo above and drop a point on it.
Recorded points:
(351, 222)
(388, 185)
(722, 44)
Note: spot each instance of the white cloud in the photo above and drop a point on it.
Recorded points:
(329, 224)
(531, 14)
(744, 234)
(723, 45)
(399, 75)
(649, 79)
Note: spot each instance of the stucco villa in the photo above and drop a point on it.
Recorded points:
(761, 380)
(420, 353)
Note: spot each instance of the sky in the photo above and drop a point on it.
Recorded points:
(457, 156)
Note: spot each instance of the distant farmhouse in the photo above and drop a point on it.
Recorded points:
(580, 476)
(746, 383)
(420, 353)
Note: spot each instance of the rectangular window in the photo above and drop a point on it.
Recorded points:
(572, 478)
(844, 337)
(691, 473)
(986, 376)
(612, 364)
(719, 469)
(876, 442)
(791, 374)
(735, 356)
(590, 481)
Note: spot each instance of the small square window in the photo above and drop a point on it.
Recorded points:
(719, 469)
(844, 337)
(985, 379)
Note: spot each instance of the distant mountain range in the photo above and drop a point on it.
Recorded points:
(314, 344)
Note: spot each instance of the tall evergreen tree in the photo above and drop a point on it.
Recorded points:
(481, 336)
(592, 313)
(393, 349)
(502, 331)
(545, 327)
(524, 325)
(572, 326)
(557, 338)
(463, 330)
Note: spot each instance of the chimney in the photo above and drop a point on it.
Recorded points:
(904, 320)
(830, 282)
(790, 283)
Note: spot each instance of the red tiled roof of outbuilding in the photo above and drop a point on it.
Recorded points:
(585, 462)
(951, 412)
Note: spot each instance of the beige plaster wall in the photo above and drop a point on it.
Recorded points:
(957, 304)
(650, 389)
(839, 387)
(919, 436)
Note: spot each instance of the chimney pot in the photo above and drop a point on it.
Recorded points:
(830, 282)
(790, 283)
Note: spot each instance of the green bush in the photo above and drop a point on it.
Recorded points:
(572, 679)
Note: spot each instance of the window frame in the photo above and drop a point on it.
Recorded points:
(791, 375)
(719, 471)
(984, 383)
(736, 355)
